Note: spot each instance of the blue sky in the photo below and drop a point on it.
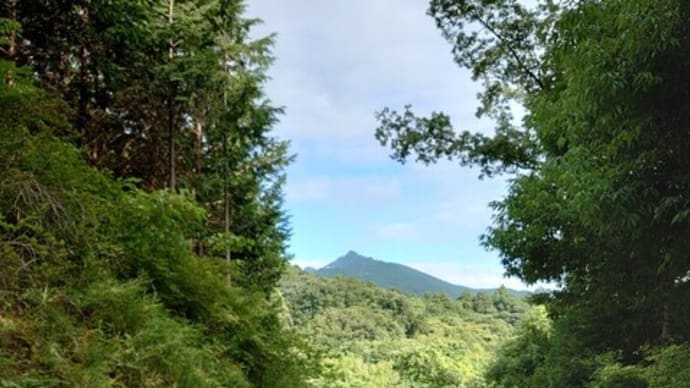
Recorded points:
(337, 62)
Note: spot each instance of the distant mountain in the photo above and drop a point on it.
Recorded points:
(393, 275)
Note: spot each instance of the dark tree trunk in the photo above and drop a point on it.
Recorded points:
(12, 41)
(198, 150)
(666, 317)
(172, 183)
(226, 189)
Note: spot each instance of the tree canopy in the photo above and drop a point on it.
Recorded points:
(368, 336)
(598, 199)
(142, 232)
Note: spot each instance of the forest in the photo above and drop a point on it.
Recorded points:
(144, 237)
(366, 336)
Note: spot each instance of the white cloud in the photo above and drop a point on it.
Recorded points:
(458, 202)
(314, 189)
(339, 61)
(397, 231)
(360, 191)
(353, 152)
(464, 213)
(474, 277)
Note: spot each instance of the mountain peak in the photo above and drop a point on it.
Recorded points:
(390, 275)
(352, 255)
(349, 259)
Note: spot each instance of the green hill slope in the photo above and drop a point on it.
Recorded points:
(368, 336)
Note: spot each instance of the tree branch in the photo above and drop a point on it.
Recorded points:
(511, 50)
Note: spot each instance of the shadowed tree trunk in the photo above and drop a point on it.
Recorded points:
(172, 184)
(12, 41)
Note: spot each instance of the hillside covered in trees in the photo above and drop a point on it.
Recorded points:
(366, 336)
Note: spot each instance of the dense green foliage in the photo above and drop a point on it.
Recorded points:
(169, 93)
(114, 270)
(142, 234)
(598, 200)
(367, 336)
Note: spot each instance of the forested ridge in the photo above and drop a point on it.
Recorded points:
(394, 276)
(143, 237)
(366, 336)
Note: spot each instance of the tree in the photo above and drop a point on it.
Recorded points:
(517, 362)
(597, 201)
(170, 93)
(100, 281)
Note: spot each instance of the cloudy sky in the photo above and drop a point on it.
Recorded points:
(337, 62)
